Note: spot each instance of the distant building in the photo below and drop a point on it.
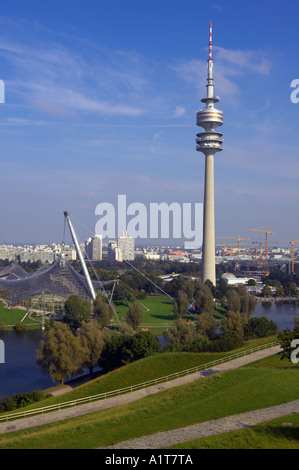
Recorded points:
(114, 253)
(126, 245)
(233, 280)
(94, 248)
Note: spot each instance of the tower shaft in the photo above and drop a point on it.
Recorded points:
(208, 245)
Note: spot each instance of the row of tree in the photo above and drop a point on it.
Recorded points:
(64, 352)
(77, 312)
(203, 295)
(207, 335)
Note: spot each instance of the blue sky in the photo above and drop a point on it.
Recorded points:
(101, 98)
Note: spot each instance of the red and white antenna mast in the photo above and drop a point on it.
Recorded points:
(210, 43)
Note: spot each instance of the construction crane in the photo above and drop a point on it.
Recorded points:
(267, 237)
(223, 250)
(293, 264)
(235, 244)
(235, 238)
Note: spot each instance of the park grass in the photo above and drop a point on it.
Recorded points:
(11, 316)
(237, 391)
(158, 313)
(280, 433)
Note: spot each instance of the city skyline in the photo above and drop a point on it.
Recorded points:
(101, 98)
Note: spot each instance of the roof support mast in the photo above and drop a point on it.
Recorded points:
(79, 253)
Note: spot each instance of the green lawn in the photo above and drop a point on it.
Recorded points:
(270, 383)
(158, 313)
(10, 316)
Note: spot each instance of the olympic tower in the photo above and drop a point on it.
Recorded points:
(209, 142)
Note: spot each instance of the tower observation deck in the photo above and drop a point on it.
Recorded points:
(209, 142)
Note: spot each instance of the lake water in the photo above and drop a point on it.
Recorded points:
(283, 314)
(20, 374)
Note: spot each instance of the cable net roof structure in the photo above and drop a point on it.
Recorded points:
(59, 279)
(13, 271)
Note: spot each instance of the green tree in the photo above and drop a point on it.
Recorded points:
(123, 349)
(141, 345)
(181, 333)
(204, 300)
(260, 328)
(233, 300)
(235, 322)
(248, 303)
(76, 311)
(181, 304)
(92, 342)
(102, 311)
(266, 291)
(189, 288)
(206, 325)
(135, 315)
(60, 354)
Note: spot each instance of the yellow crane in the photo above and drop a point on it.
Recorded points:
(267, 237)
(223, 250)
(293, 243)
(235, 238)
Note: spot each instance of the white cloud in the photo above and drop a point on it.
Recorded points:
(179, 111)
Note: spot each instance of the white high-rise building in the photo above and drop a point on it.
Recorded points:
(126, 245)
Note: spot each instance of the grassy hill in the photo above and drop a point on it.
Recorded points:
(264, 383)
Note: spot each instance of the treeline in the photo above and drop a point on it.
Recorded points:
(21, 399)
(203, 297)
(205, 334)
(285, 284)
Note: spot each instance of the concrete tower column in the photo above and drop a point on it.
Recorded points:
(208, 246)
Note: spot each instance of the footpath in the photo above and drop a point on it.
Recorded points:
(171, 437)
(214, 427)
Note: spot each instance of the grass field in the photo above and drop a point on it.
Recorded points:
(10, 316)
(158, 313)
(265, 383)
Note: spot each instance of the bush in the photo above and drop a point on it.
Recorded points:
(21, 399)
(123, 349)
(19, 326)
(223, 343)
(260, 328)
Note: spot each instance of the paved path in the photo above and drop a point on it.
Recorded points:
(214, 427)
(80, 410)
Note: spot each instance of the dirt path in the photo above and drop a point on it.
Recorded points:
(178, 436)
